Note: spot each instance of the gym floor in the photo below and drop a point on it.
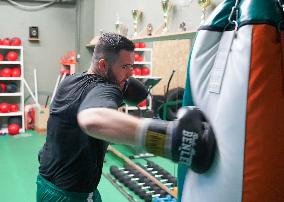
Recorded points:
(19, 168)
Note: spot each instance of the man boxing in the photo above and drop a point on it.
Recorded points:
(84, 118)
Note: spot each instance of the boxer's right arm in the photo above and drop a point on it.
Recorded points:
(189, 140)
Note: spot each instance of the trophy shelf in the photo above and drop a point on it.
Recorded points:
(165, 37)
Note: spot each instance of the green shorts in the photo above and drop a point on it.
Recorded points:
(48, 192)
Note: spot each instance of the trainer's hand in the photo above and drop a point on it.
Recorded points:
(189, 139)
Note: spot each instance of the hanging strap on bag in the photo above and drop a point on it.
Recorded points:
(222, 55)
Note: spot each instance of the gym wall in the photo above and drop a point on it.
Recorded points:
(85, 32)
(63, 27)
(106, 15)
(169, 56)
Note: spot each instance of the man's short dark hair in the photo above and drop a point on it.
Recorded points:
(109, 45)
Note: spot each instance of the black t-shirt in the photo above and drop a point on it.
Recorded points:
(71, 159)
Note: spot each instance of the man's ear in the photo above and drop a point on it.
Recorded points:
(102, 65)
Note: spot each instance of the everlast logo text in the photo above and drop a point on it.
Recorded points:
(186, 149)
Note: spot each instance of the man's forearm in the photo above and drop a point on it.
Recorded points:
(109, 125)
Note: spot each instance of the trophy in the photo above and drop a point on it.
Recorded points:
(166, 8)
(120, 27)
(117, 25)
(149, 29)
(136, 14)
(204, 4)
(166, 5)
(182, 27)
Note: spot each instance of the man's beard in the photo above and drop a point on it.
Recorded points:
(111, 77)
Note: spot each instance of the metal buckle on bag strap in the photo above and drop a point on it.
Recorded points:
(281, 4)
(234, 13)
(281, 8)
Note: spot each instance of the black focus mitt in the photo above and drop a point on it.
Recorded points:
(134, 92)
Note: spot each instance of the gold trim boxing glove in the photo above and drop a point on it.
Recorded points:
(188, 140)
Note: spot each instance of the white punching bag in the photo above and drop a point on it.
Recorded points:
(236, 77)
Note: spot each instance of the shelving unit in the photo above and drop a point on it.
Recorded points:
(15, 97)
(147, 61)
(147, 55)
(68, 62)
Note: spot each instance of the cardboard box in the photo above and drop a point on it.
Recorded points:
(41, 118)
